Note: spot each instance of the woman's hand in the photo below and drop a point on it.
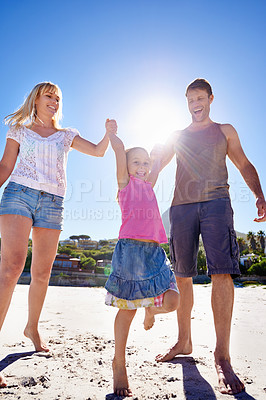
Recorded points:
(111, 126)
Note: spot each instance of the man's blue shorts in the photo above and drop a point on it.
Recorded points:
(214, 221)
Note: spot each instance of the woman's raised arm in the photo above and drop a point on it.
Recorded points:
(97, 150)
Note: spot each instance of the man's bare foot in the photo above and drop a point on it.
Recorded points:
(148, 319)
(2, 381)
(177, 349)
(120, 380)
(36, 339)
(228, 381)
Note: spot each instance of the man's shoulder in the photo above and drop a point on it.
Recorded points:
(228, 130)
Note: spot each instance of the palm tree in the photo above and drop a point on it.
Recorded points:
(242, 244)
(252, 240)
(261, 239)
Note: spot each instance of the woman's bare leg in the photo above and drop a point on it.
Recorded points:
(122, 324)
(15, 231)
(44, 248)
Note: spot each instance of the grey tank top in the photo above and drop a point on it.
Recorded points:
(201, 173)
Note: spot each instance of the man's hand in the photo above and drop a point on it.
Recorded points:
(157, 152)
(261, 206)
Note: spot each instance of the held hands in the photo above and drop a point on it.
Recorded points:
(261, 206)
(157, 153)
(111, 126)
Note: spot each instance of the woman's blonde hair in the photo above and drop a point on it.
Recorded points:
(27, 111)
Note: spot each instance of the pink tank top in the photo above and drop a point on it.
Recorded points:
(141, 217)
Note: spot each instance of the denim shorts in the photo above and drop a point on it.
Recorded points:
(214, 221)
(140, 270)
(44, 209)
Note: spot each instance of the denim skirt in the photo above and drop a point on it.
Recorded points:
(140, 270)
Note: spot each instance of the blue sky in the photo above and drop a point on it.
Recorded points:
(132, 60)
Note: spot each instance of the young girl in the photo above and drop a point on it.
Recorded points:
(141, 275)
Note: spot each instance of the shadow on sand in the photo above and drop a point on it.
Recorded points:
(11, 358)
(195, 386)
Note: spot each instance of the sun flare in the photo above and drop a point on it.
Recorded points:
(153, 120)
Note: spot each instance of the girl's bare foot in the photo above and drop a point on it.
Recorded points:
(36, 339)
(2, 381)
(148, 319)
(176, 350)
(120, 380)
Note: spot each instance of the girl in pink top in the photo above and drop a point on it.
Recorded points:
(141, 274)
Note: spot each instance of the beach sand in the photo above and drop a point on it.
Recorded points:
(79, 330)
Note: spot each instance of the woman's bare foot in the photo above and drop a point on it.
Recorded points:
(120, 380)
(36, 339)
(228, 381)
(177, 349)
(148, 319)
(2, 381)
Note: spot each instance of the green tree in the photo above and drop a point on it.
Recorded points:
(252, 240)
(242, 244)
(74, 237)
(165, 246)
(258, 268)
(261, 239)
(103, 242)
(28, 260)
(201, 261)
(84, 237)
(65, 250)
(87, 263)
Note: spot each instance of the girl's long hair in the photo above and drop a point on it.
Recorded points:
(26, 114)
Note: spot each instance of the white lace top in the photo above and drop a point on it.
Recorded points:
(42, 161)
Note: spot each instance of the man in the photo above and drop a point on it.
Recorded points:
(201, 205)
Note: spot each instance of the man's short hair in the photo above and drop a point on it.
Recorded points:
(200, 83)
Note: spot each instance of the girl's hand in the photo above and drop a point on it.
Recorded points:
(111, 126)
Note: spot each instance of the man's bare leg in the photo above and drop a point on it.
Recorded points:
(184, 343)
(122, 324)
(222, 306)
(170, 303)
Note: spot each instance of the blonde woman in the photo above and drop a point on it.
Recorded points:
(33, 198)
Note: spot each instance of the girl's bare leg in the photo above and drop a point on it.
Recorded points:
(44, 248)
(15, 231)
(122, 324)
(170, 303)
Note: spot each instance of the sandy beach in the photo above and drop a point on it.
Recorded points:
(79, 329)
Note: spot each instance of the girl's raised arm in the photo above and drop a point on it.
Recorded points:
(121, 161)
(97, 150)
(156, 156)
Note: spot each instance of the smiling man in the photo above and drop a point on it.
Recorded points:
(201, 205)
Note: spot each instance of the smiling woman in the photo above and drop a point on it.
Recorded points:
(34, 196)
(153, 120)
